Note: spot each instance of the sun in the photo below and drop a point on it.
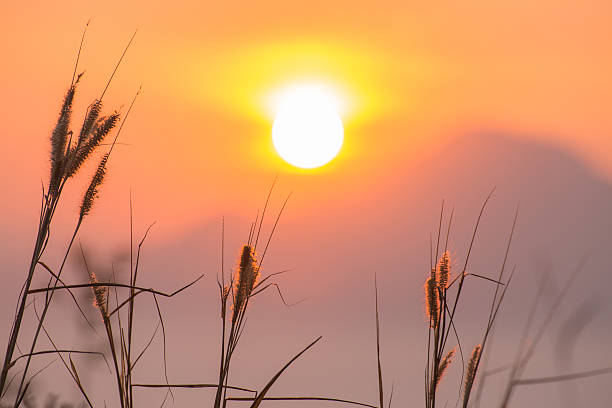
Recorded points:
(307, 130)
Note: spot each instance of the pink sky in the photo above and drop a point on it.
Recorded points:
(446, 100)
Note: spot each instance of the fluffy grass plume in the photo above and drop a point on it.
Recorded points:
(246, 277)
(59, 138)
(91, 117)
(432, 300)
(92, 190)
(444, 270)
(91, 137)
(99, 293)
(470, 373)
(446, 361)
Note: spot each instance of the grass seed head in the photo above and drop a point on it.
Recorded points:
(59, 139)
(443, 366)
(247, 274)
(470, 374)
(432, 300)
(92, 190)
(99, 292)
(93, 139)
(91, 118)
(224, 294)
(444, 270)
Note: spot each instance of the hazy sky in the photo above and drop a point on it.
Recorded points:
(443, 100)
(412, 73)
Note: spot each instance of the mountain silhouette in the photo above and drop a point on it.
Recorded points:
(563, 221)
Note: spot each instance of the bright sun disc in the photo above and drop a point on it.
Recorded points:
(307, 130)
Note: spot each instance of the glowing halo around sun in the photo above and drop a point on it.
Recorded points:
(307, 130)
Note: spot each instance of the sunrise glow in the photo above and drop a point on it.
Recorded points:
(307, 130)
(318, 204)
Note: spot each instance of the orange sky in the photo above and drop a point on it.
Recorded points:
(426, 84)
(413, 73)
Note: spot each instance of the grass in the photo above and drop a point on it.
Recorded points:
(69, 151)
(115, 301)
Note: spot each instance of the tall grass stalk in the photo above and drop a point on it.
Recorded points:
(242, 286)
(67, 155)
(441, 306)
(69, 151)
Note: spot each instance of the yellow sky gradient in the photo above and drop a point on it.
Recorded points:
(441, 100)
(411, 74)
